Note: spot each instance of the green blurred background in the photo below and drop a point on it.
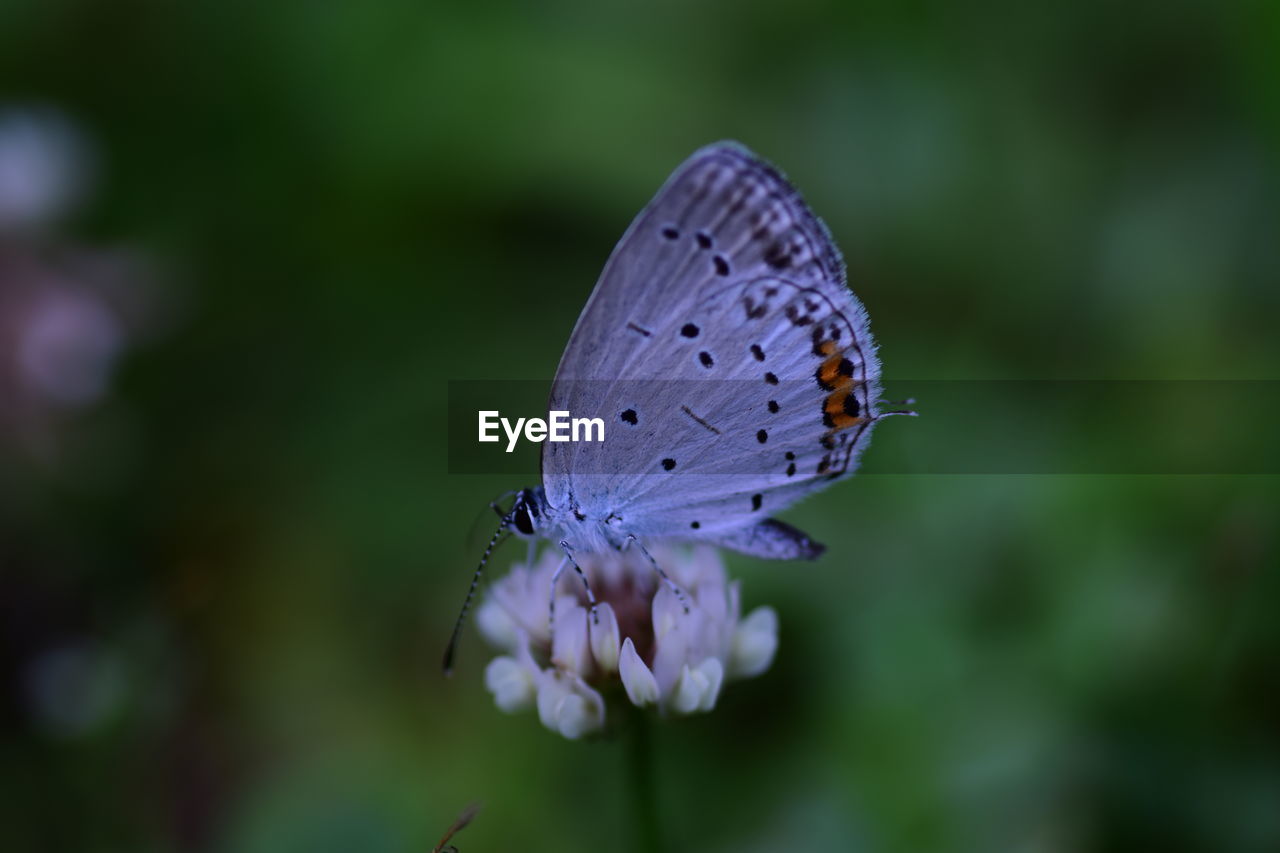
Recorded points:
(226, 579)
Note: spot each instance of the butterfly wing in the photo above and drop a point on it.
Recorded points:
(733, 368)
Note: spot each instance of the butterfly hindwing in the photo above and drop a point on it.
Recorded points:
(733, 367)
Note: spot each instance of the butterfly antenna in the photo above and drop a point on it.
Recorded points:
(495, 505)
(907, 402)
(471, 591)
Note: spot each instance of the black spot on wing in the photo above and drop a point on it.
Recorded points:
(706, 359)
(629, 416)
(671, 232)
(668, 463)
(778, 256)
(757, 352)
(689, 330)
(756, 500)
(721, 265)
(818, 341)
(796, 317)
(704, 240)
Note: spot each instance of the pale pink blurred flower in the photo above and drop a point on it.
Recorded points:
(68, 345)
(67, 312)
(641, 639)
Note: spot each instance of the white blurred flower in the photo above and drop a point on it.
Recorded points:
(76, 689)
(567, 705)
(641, 637)
(44, 167)
(513, 682)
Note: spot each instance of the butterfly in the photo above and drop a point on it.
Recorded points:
(732, 365)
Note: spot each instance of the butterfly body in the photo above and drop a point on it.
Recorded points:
(769, 538)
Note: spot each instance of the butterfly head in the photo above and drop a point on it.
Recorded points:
(528, 514)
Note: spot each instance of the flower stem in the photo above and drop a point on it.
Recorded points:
(648, 836)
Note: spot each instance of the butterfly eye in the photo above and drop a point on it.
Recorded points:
(520, 518)
(525, 513)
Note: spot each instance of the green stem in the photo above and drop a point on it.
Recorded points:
(647, 836)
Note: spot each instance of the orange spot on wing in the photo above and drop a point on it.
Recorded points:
(830, 373)
(843, 421)
(835, 416)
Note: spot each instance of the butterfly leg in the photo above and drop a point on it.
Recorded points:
(591, 596)
(555, 581)
(675, 588)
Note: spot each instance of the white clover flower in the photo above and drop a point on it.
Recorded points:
(641, 637)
